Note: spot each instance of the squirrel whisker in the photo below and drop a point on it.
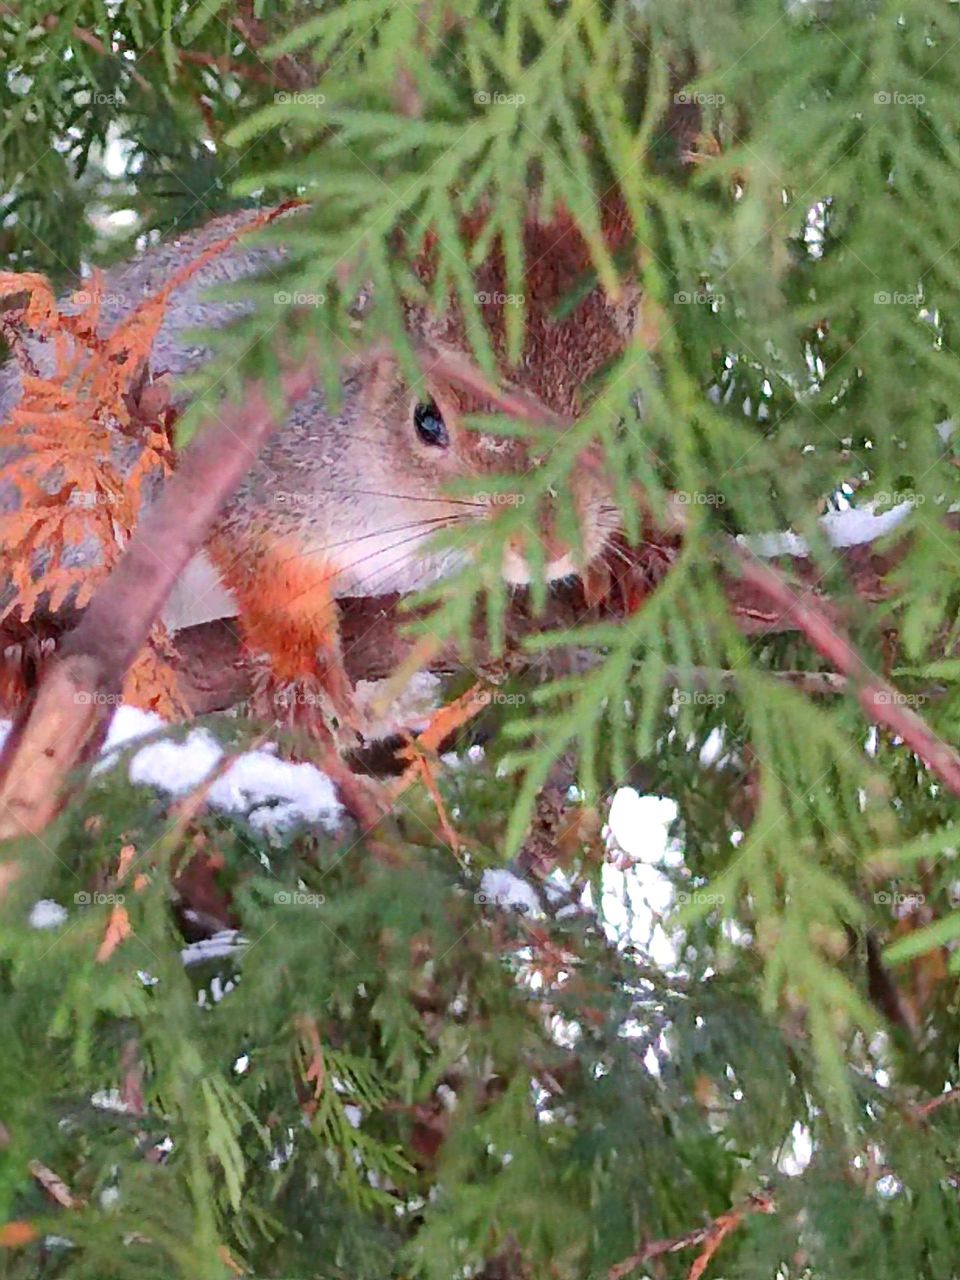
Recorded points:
(409, 497)
(382, 571)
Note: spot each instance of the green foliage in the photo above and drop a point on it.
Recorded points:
(178, 1105)
(801, 279)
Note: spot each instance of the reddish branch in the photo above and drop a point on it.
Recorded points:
(63, 724)
(225, 65)
(52, 21)
(881, 702)
(213, 673)
(927, 1108)
(460, 370)
(710, 1237)
(293, 73)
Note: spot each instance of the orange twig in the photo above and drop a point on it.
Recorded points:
(446, 721)
(710, 1236)
(921, 1112)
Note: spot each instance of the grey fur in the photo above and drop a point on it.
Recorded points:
(357, 493)
(347, 486)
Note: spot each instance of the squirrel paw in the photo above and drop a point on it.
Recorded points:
(311, 705)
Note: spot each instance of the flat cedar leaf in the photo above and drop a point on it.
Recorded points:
(924, 939)
(941, 669)
(222, 1129)
(199, 18)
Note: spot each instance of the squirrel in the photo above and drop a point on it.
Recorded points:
(343, 503)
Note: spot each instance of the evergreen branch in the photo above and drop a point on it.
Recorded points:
(52, 21)
(63, 724)
(927, 1108)
(710, 1236)
(882, 703)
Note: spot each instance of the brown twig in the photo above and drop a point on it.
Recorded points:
(463, 373)
(63, 723)
(52, 21)
(53, 1185)
(365, 800)
(224, 65)
(131, 1077)
(881, 702)
(289, 71)
(710, 1236)
(927, 1108)
(196, 56)
(445, 722)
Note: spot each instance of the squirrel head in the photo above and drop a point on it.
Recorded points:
(360, 493)
(399, 463)
(403, 464)
(366, 486)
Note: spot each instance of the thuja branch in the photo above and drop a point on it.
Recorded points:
(63, 724)
(710, 1237)
(880, 701)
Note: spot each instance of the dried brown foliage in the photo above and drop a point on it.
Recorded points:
(81, 449)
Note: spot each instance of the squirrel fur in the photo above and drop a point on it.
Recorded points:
(344, 503)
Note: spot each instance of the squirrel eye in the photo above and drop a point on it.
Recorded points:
(430, 425)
